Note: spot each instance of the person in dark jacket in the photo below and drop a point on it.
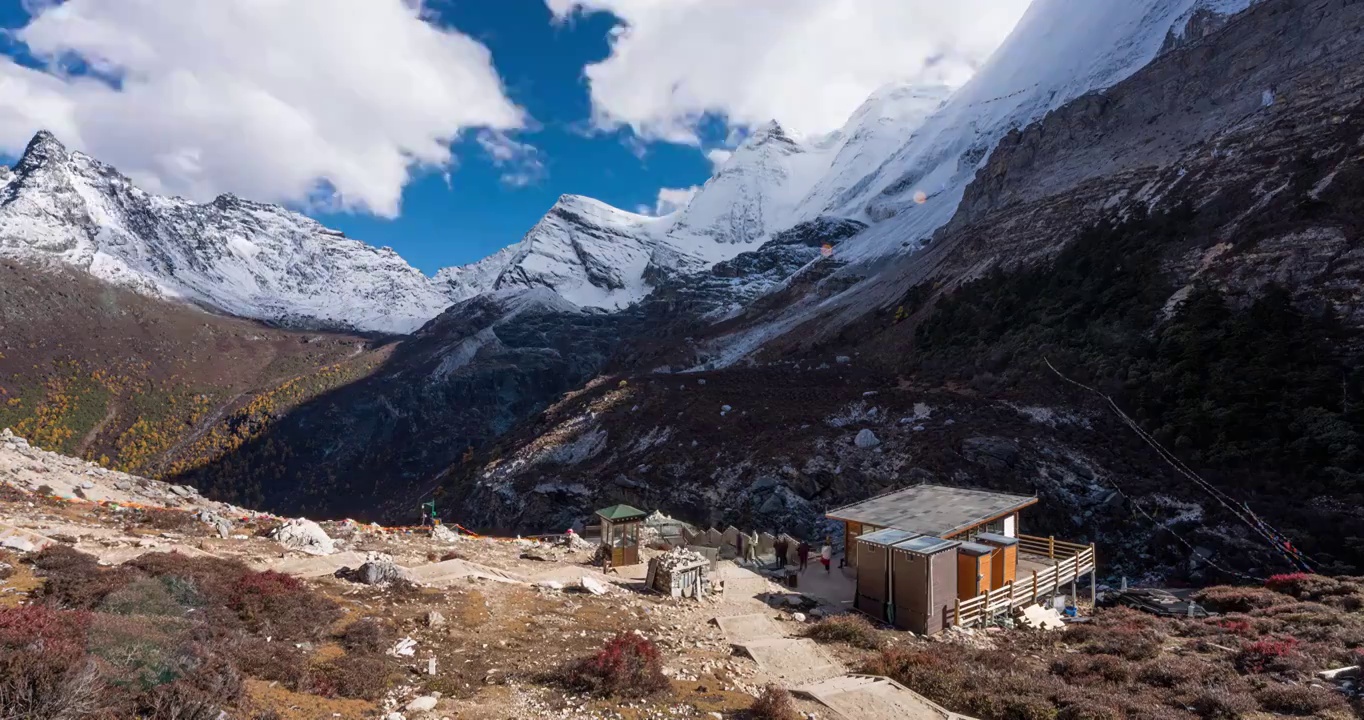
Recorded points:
(803, 552)
(781, 546)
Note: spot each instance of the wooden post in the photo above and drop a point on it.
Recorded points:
(1093, 578)
(956, 612)
(1051, 546)
(1034, 586)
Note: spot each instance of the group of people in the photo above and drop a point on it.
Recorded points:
(783, 548)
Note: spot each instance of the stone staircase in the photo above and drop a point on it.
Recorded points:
(872, 697)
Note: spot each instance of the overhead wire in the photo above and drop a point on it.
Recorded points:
(1276, 540)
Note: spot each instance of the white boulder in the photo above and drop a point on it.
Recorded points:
(305, 536)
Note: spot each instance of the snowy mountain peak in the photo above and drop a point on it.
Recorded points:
(756, 192)
(233, 255)
(42, 149)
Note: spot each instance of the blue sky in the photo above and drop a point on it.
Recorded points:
(475, 214)
(400, 121)
(541, 64)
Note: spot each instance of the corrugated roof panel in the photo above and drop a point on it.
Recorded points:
(926, 545)
(888, 536)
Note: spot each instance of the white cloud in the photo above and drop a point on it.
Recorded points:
(670, 200)
(519, 161)
(718, 157)
(272, 100)
(805, 63)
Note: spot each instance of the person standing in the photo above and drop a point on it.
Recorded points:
(750, 548)
(803, 552)
(781, 546)
(826, 555)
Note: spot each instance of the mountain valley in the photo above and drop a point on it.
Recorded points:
(1161, 200)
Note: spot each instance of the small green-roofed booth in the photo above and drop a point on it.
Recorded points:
(620, 526)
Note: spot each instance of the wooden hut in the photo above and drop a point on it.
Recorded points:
(974, 575)
(873, 579)
(923, 584)
(945, 512)
(1004, 569)
(620, 526)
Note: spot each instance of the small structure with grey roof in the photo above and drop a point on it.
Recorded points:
(620, 533)
(937, 556)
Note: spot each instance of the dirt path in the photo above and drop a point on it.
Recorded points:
(801, 665)
(109, 415)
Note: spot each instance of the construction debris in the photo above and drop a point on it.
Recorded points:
(1036, 616)
(305, 536)
(407, 647)
(444, 534)
(1156, 602)
(377, 569)
(596, 587)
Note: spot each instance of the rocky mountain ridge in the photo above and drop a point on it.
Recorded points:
(1184, 156)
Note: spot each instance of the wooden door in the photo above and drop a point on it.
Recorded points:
(909, 575)
(966, 588)
(871, 581)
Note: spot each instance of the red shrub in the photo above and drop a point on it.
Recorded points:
(629, 665)
(1266, 655)
(1234, 626)
(44, 671)
(53, 632)
(1286, 583)
(1223, 598)
(282, 606)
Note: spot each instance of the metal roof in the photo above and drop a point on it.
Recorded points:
(933, 509)
(621, 512)
(996, 539)
(889, 536)
(975, 548)
(926, 545)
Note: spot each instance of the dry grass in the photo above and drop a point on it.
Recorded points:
(849, 629)
(774, 703)
(167, 636)
(1125, 664)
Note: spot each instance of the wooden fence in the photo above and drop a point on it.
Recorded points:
(1069, 561)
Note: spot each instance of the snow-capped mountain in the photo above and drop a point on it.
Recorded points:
(884, 123)
(1060, 50)
(244, 258)
(900, 164)
(590, 253)
(757, 190)
(598, 256)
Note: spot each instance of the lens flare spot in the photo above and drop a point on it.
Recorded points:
(826, 250)
(920, 197)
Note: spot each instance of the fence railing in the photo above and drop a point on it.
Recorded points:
(1069, 562)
